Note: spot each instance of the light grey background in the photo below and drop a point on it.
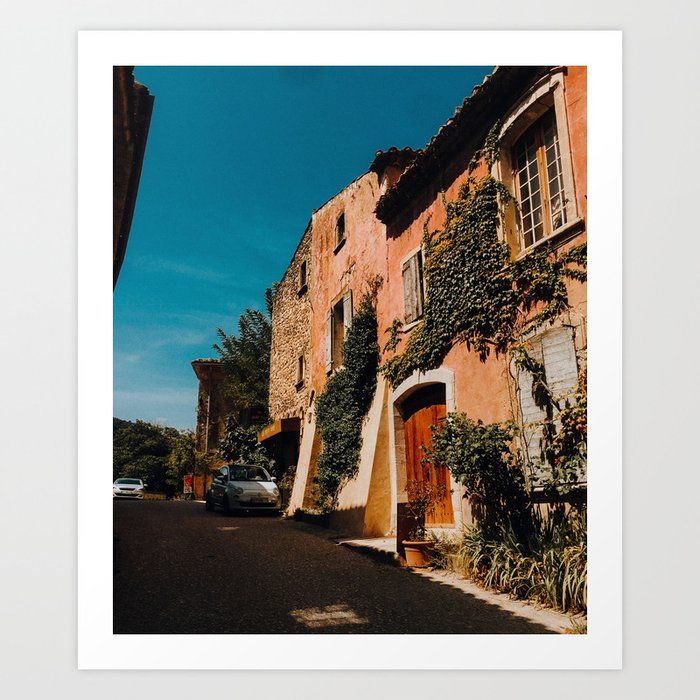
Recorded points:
(38, 331)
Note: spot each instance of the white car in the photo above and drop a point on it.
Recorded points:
(238, 487)
(128, 488)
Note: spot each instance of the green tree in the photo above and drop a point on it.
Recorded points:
(240, 444)
(245, 357)
(141, 450)
(181, 460)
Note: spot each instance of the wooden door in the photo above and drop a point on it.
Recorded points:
(422, 409)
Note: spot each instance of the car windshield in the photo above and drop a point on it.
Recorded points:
(249, 474)
(135, 482)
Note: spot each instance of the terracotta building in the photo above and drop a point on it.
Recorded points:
(212, 409)
(374, 227)
(132, 106)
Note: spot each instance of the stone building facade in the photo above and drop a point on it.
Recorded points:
(290, 351)
(290, 356)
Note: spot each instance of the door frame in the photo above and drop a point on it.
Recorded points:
(397, 451)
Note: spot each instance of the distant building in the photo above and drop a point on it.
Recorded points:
(212, 409)
(132, 108)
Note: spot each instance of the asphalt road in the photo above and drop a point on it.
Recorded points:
(179, 569)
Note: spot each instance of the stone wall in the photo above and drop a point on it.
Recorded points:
(212, 405)
(291, 337)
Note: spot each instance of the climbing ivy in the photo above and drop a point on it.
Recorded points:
(475, 294)
(345, 401)
(478, 296)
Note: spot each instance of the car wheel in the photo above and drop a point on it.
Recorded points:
(208, 504)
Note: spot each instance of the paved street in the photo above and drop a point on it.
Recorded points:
(179, 569)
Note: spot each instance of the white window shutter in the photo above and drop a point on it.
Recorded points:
(531, 413)
(329, 341)
(559, 356)
(347, 311)
(555, 349)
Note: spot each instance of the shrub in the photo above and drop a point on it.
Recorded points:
(550, 568)
(423, 496)
(480, 458)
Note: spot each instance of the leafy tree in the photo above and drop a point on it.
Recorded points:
(159, 455)
(182, 459)
(246, 361)
(141, 450)
(240, 444)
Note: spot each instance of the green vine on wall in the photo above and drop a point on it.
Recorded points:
(342, 406)
(477, 295)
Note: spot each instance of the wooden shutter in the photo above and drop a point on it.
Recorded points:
(559, 357)
(556, 351)
(329, 340)
(409, 299)
(412, 288)
(347, 311)
(418, 257)
(531, 413)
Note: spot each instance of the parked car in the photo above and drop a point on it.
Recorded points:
(240, 487)
(128, 488)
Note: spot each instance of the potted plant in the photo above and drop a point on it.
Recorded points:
(423, 496)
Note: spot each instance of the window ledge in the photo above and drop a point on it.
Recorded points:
(339, 246)
(410, 326)
(558, 237)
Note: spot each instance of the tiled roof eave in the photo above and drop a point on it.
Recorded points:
(465, 128)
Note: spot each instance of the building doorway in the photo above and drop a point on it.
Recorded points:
(424, 407)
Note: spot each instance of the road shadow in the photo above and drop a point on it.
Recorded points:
(181, 570)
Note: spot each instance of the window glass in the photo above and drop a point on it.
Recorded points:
(539, 182)
(249, 473)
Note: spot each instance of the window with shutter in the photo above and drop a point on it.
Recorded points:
(555, 349)
(412, 273)
(339, 232)
(347, 312)
(329, 340)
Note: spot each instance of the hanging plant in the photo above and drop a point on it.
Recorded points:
(342, 406)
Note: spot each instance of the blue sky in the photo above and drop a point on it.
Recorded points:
(237, 158)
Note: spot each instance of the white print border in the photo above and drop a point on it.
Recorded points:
(98, 51)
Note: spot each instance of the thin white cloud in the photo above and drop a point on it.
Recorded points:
(156, 397)
(201, 274)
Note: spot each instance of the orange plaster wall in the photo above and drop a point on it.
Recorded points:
(575, 95)
(482, 388)
(361, 258)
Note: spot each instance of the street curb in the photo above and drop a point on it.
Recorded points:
(390, 558)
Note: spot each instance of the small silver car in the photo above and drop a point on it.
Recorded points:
(128, 488)
(239, 487)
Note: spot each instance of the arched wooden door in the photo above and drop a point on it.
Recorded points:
(423, 408)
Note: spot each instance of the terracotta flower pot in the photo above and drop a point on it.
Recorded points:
(418, 554)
